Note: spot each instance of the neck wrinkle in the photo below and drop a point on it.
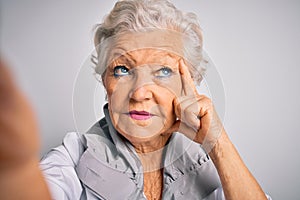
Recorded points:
(151, 153)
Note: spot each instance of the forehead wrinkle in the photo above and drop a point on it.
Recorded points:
(131, 59)
(165, 57)
(160, 39)
(151, 56)
(126, 58)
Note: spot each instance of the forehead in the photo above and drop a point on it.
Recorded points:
(140, 45)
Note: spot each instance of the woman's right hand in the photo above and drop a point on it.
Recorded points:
(20, 176)
(18, 129)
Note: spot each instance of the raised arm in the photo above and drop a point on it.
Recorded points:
(199, 121)
(236, 179)
(20, 176)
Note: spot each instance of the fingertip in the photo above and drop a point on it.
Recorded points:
(182, 67)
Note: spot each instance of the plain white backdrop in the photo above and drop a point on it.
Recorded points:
(254, 44)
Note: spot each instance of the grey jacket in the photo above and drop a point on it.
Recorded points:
(102, 165)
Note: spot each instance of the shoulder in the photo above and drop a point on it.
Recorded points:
(58, 167)
(59, 164)
(68, 153)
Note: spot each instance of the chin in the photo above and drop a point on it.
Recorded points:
(140, 134)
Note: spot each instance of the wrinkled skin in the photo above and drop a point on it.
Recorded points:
(171, 99)
(151, 94)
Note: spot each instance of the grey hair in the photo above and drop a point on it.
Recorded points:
(137, 15)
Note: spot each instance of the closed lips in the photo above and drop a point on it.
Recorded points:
(140, 115)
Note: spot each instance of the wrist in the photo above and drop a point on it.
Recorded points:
(221, 148)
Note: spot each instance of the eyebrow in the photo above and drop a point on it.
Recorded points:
(120, 53)
(126, 58)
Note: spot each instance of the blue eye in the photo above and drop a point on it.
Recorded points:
(163, 72)
(121, 71)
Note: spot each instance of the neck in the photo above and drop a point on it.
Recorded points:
(150, 145)
(151, 152)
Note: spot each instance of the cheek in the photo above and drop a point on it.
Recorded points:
(110, 85)
(117, 91)
(165, 98)
(168, 92)
(168, 112)
(172, 86)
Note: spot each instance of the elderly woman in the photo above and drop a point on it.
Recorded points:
(159, 138)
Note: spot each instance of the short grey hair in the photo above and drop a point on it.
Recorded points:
(137, 15)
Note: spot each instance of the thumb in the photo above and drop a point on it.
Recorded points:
(181, 127)
(187, 131)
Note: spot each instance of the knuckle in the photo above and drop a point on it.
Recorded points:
(207, 101)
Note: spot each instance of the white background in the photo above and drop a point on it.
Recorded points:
(254, 44)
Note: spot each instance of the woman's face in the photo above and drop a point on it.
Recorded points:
(141, 86)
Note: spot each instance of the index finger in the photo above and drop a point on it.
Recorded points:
(188, 85)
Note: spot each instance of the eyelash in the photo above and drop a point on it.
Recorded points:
(169, 71)
(120, 67)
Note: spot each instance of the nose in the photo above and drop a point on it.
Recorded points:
(141, 89)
